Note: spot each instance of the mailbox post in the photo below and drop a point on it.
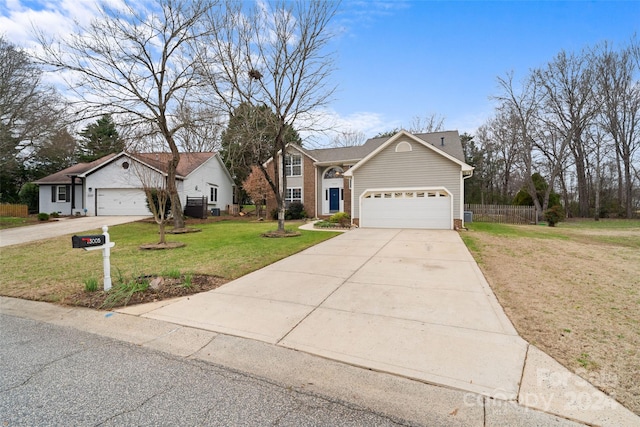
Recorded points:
(95, 242)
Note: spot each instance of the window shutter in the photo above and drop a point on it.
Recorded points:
(53, 193)
(67, 193)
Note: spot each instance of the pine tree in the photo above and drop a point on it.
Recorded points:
(99, 139)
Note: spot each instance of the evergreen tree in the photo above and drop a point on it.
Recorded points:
(99, 139)
(248, 139)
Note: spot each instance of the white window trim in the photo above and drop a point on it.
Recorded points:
(289, 168)
(213, 194)
(64, 198)
(289, 196)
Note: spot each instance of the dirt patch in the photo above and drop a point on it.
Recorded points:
(278, 234)
(161, 246)
(577, 298)
(170, 288)
(183, 230)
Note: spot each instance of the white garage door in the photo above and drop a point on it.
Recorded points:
(406, 209)
(121, 201)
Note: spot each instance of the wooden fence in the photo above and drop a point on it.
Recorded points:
(505, 214)
(21, 211)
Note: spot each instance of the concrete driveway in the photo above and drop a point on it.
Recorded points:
(46, 230)
(408, 302)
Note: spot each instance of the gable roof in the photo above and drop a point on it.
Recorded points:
(452, 146)
(64, 176)
(189, 162)
(426, 140)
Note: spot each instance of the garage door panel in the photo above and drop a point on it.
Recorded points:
(404, 209)
(121, 201)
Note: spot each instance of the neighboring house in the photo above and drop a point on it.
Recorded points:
(112, 185)
(402, 181)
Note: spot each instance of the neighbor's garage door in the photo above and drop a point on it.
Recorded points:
(121, 201)
(406, 209)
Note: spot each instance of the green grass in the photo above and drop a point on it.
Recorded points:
(12, 221)
(50, 269)
(91, 284)
(509, 230)
(602, 224)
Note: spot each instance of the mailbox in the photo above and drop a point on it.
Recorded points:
(88, 241)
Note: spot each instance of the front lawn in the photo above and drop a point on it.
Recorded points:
(50, 270)
(572, 290)
(12, 221)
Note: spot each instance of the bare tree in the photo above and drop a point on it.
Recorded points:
(620, 91)
(136, 62)
(154, 184)
(348, 138)
(570, 105)
(272, 55)
(522, 105)
(31, 116)
(427, 124)
(202, 130)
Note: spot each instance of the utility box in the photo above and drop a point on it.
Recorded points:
(468, 216)
(215, 212)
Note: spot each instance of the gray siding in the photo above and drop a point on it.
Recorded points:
(421, 167)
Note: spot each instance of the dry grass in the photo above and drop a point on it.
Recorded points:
(573, 291)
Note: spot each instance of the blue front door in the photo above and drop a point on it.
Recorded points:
(334, 199)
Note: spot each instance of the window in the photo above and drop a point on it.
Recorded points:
(293, 164)
(294, 195)
(60, 193)
(213, 196)
(334, 172)
(403, 147)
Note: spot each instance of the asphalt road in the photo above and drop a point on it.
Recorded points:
(57, 376)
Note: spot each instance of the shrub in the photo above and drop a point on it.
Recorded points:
(42, 216)
(341, 218)
(554, 215)
(295, 211)
(55, 214)
(323, 224)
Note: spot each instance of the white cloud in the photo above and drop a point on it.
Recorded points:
(329, 123)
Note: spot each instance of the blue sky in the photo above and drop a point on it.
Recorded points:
(407, 59)
(400, 59)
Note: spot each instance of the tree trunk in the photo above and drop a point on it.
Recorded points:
(283, 195)
(176, 205)
(581, 177)
(163, 239)
(628, 188)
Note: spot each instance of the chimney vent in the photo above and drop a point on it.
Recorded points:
(442, 141)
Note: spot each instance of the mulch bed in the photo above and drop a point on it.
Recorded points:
(171, 288)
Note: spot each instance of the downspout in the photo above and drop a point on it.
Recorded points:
(316, 192)
(462, 204)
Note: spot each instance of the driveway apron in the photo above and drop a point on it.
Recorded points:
(407, 302)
